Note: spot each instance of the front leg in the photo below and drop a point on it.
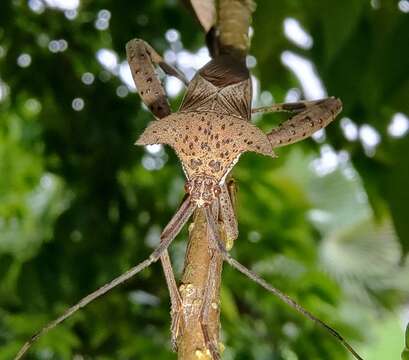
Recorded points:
(142, 58)
(310, 117)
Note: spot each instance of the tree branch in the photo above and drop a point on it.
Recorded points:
(234, 19)
(191, 344)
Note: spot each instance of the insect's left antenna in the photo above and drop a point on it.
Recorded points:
(168, 234)
(214, 236)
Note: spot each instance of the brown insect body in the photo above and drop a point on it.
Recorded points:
(211, 129)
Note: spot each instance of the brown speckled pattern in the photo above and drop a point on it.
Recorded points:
(305, 123)
(206, 142)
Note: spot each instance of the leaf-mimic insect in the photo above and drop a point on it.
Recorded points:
(209, 133)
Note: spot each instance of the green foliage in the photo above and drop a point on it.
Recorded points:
(78, 205)
(405, 353)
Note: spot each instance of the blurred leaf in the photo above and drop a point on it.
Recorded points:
(395, 181)
(389, 334)
(228, 305)
(338, 25)
(405, 353)
(79, 204)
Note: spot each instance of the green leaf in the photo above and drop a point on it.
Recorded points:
(405, 353)
(395, 182)
(338, 25)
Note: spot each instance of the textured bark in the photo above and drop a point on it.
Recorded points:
(191, 344)
(234, 19)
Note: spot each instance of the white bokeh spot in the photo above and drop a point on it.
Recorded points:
(295, 32)
(305, 72)
(63, 4)
(399, 125)
(108, 59)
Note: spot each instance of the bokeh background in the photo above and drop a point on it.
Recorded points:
(327, 222)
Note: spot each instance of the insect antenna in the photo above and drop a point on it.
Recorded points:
(256, 278)
(168, 234)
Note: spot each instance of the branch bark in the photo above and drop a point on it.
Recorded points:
(233, 21)
(191, 344)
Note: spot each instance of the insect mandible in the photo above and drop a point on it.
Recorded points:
(209, 133)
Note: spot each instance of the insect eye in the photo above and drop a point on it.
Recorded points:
(187, 187)
(217, 190)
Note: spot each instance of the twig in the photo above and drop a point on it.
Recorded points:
(197, 261)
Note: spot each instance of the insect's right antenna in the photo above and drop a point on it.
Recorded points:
(168, 234)
(285, 298)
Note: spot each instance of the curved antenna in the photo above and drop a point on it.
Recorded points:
(256, 278)
(168, 234)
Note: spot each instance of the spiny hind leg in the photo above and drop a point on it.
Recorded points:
(142, 58)
(310, 116)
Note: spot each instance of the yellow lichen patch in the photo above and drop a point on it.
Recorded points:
(182, 289)
(228, 240)
(189, 289)
(221, 347)
(229, 243)
(199, 354)
(186, 289)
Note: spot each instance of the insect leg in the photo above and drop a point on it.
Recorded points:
(313, 117)
(208, 297)
(142, 58)
(294, 107)
(168, 234)
(210, 343)
(175, 299)
(213, 236)
(228, 216)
